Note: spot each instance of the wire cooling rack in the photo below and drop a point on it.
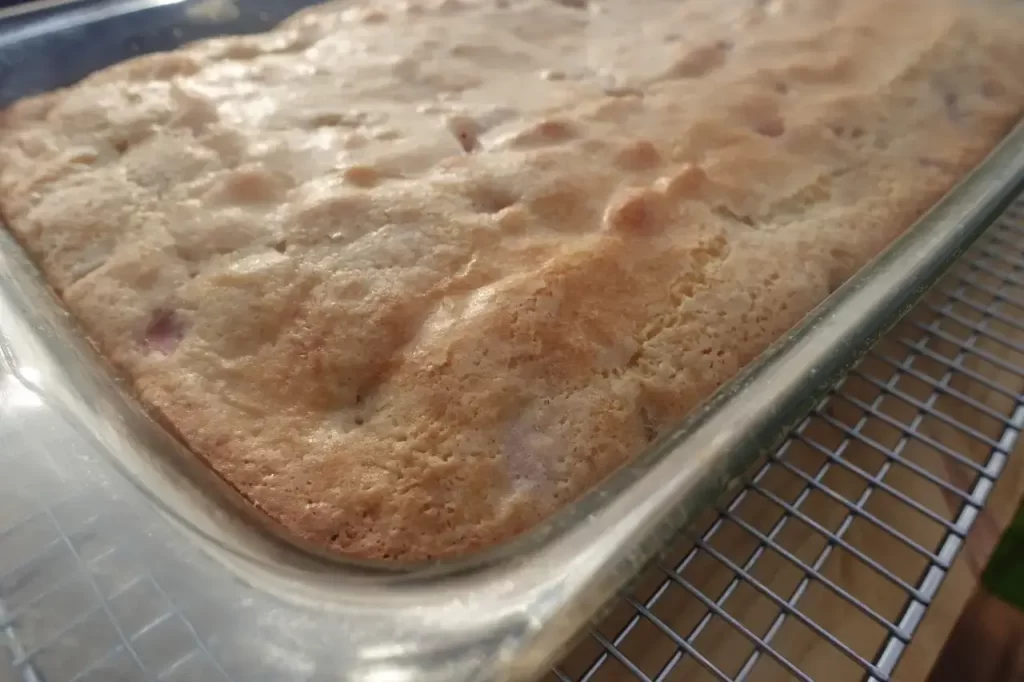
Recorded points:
(821, 568)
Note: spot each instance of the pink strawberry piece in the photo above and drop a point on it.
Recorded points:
(165, 331)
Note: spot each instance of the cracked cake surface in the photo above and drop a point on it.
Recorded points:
(412, 276)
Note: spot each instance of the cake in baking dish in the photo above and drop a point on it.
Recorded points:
(411, 276)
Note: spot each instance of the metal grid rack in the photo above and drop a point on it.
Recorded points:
(821, 568)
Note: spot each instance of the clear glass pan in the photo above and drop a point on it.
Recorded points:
(284, 611)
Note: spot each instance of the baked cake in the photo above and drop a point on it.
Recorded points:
(411, 276)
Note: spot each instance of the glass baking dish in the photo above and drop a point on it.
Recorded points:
(287, 612)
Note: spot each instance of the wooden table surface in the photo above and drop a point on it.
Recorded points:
(987, 644)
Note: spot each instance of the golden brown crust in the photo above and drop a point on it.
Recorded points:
(411, 276)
